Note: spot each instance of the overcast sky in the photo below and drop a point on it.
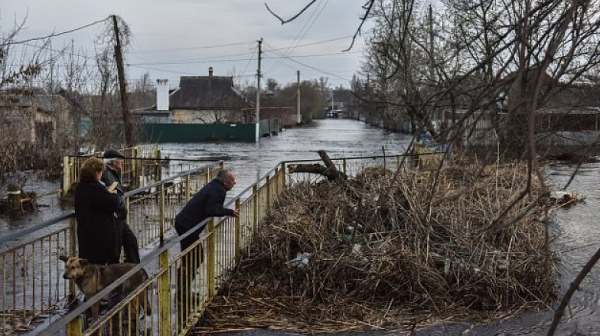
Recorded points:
(173, 38)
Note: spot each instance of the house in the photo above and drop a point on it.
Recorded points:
(340, 100)
(35, 117)
(198, 100)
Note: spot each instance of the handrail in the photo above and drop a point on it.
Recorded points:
(43, 225)
(180, 175)
(62, 322)
(243, 192)
(264, 193)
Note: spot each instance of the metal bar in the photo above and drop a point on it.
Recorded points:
(255, 209)
(164, 283)
(66, 182)
(20, 234)
(4, 324)
(187, 188)
(283, 174)
(268, 186)
(210, 255)
(237, 231)
(162, 213)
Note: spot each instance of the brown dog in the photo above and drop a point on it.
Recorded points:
(91, 279)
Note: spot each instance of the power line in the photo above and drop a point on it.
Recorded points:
(250, 60)
(315, 43)
(297, 40)
(313, 68)
(191, 48)
(240, 59)
(57, 34)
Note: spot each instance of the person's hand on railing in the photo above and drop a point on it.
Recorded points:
(236, 213)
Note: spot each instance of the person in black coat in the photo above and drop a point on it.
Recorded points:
(127, 239)
(97, 231)
(208, 202)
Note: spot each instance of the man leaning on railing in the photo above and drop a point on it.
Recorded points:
(208, 202)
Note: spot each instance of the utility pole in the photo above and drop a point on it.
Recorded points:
(122, 86)
(258, 91)
(431, 50)
(299, 119)
(332, 106)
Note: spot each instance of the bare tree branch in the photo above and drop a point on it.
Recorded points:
(292, 18)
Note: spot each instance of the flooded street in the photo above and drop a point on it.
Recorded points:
(577, 229)
(340, 138)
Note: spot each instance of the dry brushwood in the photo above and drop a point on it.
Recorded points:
(411, 265)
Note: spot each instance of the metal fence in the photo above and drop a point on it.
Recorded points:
(181, 283)
(132, 172)
(185, 281)
(31, 284)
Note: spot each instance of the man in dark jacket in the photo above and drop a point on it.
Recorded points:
(97, 231)
(127, 239)
(208, 202)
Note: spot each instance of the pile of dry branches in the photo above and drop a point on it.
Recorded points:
(379, 257)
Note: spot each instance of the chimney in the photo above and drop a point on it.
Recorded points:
(162, 94)
(210, 70)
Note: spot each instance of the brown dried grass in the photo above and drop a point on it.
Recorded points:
(408, 263)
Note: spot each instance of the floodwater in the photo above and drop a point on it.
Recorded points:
(577, 229)
(250, 161)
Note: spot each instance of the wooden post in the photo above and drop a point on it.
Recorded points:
(14, 197)
(66, 184)
(122, 86)
(211, 254)
(344, 164)
(237, 232)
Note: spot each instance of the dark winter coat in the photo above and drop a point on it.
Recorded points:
(97, 231)
(109, 176)
(208, 202)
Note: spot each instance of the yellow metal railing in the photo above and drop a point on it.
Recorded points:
(183, 283)
(31, 282)
(175, 297)
(30, 278)
(132, 172)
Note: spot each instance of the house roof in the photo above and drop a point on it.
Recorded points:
(575, 96)
(206, 93)
(44, 102)
(343, 95)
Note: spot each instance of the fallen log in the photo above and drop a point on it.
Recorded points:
(329, 170)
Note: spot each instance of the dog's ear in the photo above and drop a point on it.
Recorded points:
(63, 258)
(83, 262)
